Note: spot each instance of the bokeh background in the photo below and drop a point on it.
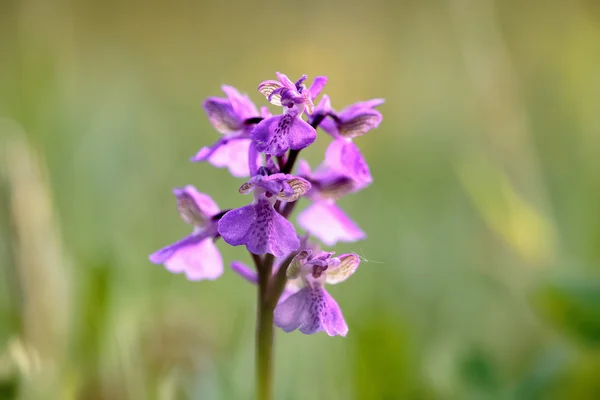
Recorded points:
(480, 279)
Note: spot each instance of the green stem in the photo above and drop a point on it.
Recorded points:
(264, 352)
(264, 332)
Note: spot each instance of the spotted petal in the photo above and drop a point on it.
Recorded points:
(278, 134)
(260, 228)
(311, 310)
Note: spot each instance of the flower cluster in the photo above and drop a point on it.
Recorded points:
(264, 149)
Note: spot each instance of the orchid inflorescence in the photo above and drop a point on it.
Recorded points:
(291, 270)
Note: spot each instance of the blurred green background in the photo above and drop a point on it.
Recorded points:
(483, 222)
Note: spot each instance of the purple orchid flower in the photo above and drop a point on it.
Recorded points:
(259, 226)
(280, 133)
(342, 155)
(323, 218)
(196, 255)
(230, 116)
(312, 309)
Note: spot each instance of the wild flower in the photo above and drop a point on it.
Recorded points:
(290, 271)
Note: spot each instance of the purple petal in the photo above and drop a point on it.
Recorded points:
(311, 310)
(196, 256)
(244, 271)
(343, 156)
(330, 126)
(324, 106)
(242, 106)
(253, 158)
(222, 115)
(194, 207)
(359, 122)
(234, 154)
(300, 81)
(265, 112)
(285, 81)
(329, 183)
(317, 85)
(304, 168)
(260, 228)
(351, 109)
(329, 223)
(278, 134)
(355, 120)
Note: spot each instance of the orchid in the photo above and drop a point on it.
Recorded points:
(331, 181)
(312, 309)
(290, 272)
(278, 134)
(259, 226)
(196, 255)
(234, 118)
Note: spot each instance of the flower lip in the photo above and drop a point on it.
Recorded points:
(260, 228)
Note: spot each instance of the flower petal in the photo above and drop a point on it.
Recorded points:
(344, 157)
(194, 207)
(267, 88)
(361, 105)
(260, 228)
(222, 115)
(317, 85)
(244, 271)
(359, 123)
(285, 81)
(348, 264)
(235, 154)
(278, 134)
(196, 256)
(241, 104)
(353, 121)
(310, 310)
(329, 223)
(304, 168)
